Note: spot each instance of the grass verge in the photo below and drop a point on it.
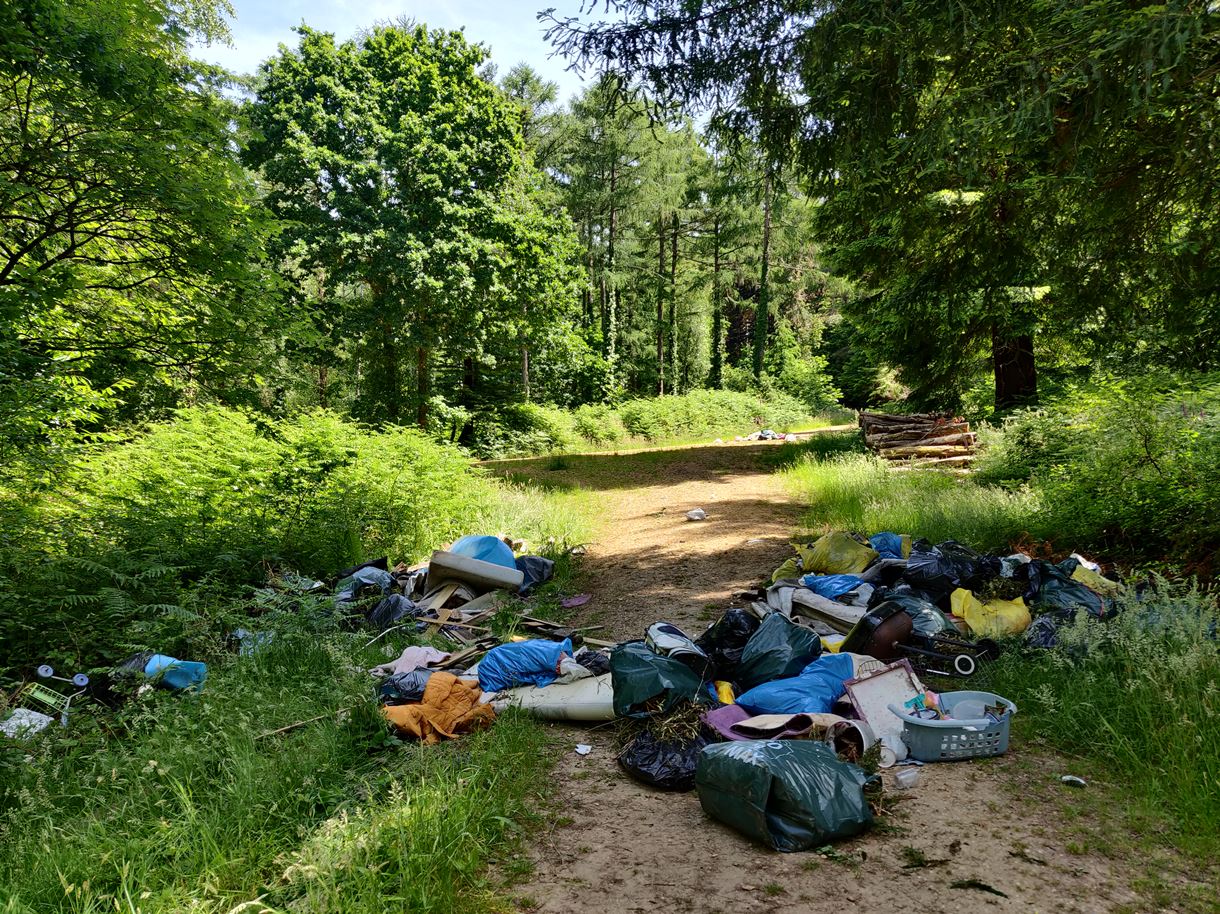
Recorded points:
(854, 491)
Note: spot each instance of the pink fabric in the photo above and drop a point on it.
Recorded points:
(412, 658)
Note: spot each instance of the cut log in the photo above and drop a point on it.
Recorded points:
(944, 450)
(963, 439)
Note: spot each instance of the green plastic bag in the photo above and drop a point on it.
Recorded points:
(638, 675)
(791, 795)
(779, 649)
(837, 553)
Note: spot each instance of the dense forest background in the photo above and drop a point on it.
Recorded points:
(217, 287)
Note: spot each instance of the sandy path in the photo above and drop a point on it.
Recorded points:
(620, 846)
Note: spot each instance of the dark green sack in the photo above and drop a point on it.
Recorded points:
(791, 795)
(638, 675)
(779, 649)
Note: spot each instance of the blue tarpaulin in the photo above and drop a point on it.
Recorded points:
(485, 549)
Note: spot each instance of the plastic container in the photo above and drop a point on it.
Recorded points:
(907, 778)
(952, 739)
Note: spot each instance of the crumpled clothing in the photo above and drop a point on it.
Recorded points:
(412, 658)
(450, 706)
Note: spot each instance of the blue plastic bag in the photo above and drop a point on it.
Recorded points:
(814, 691)
(831, 586)
(485, 549)
(522, 663)
(175, 674)
(888, 545)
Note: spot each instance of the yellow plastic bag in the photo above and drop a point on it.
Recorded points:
(1092, 580)
(789, 569)
(992, 619)
(836, 553)
(724, 692)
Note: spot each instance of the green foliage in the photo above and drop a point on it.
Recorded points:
(153, 542)
(708, 412)
(520, 429)
(1126, 468)
(129, 235)
(396, 169)
(1137, 699)
(599, 424)
(176, 803)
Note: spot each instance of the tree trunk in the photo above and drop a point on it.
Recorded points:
(717, 374)
(660, 304)
(673, 304)
(762, 313)
(612, 322)
(1016, 373)
(423, 385)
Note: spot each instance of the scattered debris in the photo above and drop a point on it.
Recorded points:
(977, 885)
(579, 600)
(696, 514)
(583, 749)
(1072, 781)
(914, 859)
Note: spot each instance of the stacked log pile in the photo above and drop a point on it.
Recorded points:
(921, 439)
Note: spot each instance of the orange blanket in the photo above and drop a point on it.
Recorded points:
(450, 706)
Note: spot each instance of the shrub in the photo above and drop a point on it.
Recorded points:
(1124, 468)
(148, 543)
(520, 429)
(709, 412)
(1139, 693)
(599, 424)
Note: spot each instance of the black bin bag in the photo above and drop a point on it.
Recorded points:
(725, 640)
(779, 649)
(791, 795)
(645, 682)
(666, 763)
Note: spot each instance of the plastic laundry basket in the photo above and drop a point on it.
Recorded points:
(954, 740)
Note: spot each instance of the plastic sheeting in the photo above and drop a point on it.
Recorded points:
(891, 545)
(992, 619)
(177, 675)
(791, 795)
(939, 570)
(814, 691)
(537, 570)
(404, 687)
(779, 649)
(642, 678)
(519, 663)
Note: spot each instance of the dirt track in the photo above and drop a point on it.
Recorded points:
(622, 846)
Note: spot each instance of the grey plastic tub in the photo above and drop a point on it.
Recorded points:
(954, 740)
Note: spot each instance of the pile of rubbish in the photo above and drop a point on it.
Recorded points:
(921, 439)
(781, 714)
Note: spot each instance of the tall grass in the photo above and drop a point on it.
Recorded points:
(1138, 697)
(861, 493)
(177, 803)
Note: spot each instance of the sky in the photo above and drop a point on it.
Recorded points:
(510, 28)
